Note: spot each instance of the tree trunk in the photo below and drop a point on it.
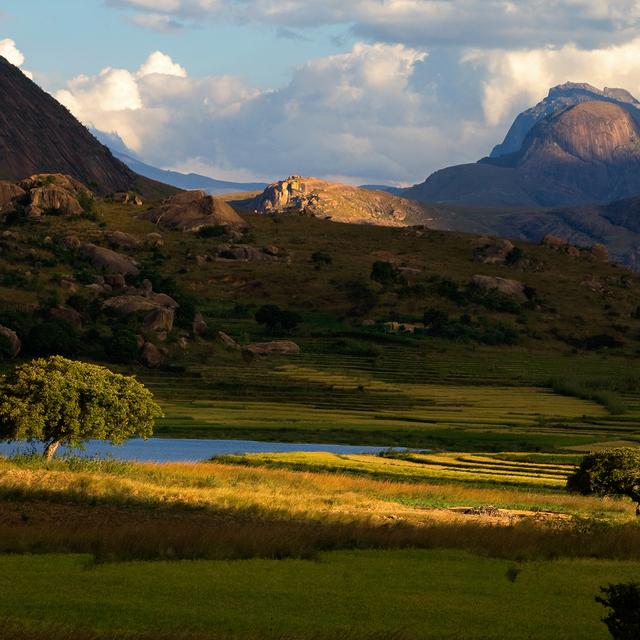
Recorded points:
(50, 450)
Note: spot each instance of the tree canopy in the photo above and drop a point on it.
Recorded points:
(60, 401)
(610, 472)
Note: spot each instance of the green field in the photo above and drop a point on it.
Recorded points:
(414, 594)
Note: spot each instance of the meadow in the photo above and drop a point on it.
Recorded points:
(308, 546)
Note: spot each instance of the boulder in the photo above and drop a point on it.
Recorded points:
(193, 210)
(242, 252)
(512, 288)
(492, 250)
(115, 280)
(128, 197)
(53, 198)
(199, 326)
(159, 320)
(129, 304)
(68, 315)
(162, 300)
(275, 348)
(120, 239)
(154, 240)
(150, 356)
(108, 260)
(11, 340)
(600, 252)
(227, 341)
(8, 193)
(554, 242)
(61, 180)
(71, 242)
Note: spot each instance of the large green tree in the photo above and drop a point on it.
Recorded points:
(59, 401)
(610, 472)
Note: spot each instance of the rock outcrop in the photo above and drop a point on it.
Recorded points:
(11, 341)
(492, 250)
(193, 210)
(275, 348)
(109, 261)
(512, 288)
(122, 240)
(585, 149)
(159, 320)
(8, 193)
(340, 202)
(53, 199)
(150, 356)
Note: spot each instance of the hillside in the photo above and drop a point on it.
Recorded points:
(575, 149)
(38, 135)
(339, 202)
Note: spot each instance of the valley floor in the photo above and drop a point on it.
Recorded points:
(308, 546)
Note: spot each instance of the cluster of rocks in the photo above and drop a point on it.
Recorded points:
(44, 192)
(598, 251)
(127, 198)
(240, 253)
(192, 211)
(492, 250)
(512, 288)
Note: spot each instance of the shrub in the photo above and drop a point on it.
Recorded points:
(385, 273)
(623, 619)
(610, 472)
(276, 319)
(361, 296)
(320, 258)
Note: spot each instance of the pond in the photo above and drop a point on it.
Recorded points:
(184, 450)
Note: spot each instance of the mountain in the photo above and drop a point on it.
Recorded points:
(188, 181)
(38, 135)
(560, 98)
(578, 146)
(340, 202)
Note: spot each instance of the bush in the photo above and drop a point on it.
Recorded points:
(53, 337)
(465, 329)
(361, 296)
(623, 619)
(385, 273)
(320, 258)
(123, 347)
(276, 319)
(212, 231)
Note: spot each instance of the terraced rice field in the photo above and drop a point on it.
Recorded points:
(411, 395)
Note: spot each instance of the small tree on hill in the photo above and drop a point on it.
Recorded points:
(610, 472)
(385, 273)
(623, 601)
(59, 401)
(276, 319)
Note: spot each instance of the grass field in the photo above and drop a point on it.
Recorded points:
(414, 594)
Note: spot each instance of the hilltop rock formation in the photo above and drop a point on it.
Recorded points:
(340, 202)
(193, 210)
(579, 146)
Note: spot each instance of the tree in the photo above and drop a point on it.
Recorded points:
(59, 401)
(623, 619)
(385, 273)
(610, 472)
(275, 319)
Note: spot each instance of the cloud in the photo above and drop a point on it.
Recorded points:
(353, 114)
(157, 22)
(10, 51)
(459, 23)
(516, 79)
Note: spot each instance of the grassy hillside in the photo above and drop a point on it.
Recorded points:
(553, 370)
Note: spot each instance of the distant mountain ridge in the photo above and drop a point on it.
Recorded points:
(578, 146)
(187, 181)
(39, 135)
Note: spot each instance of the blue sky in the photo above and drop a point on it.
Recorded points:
(382, 91)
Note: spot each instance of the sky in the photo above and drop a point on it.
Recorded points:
(363, 91)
